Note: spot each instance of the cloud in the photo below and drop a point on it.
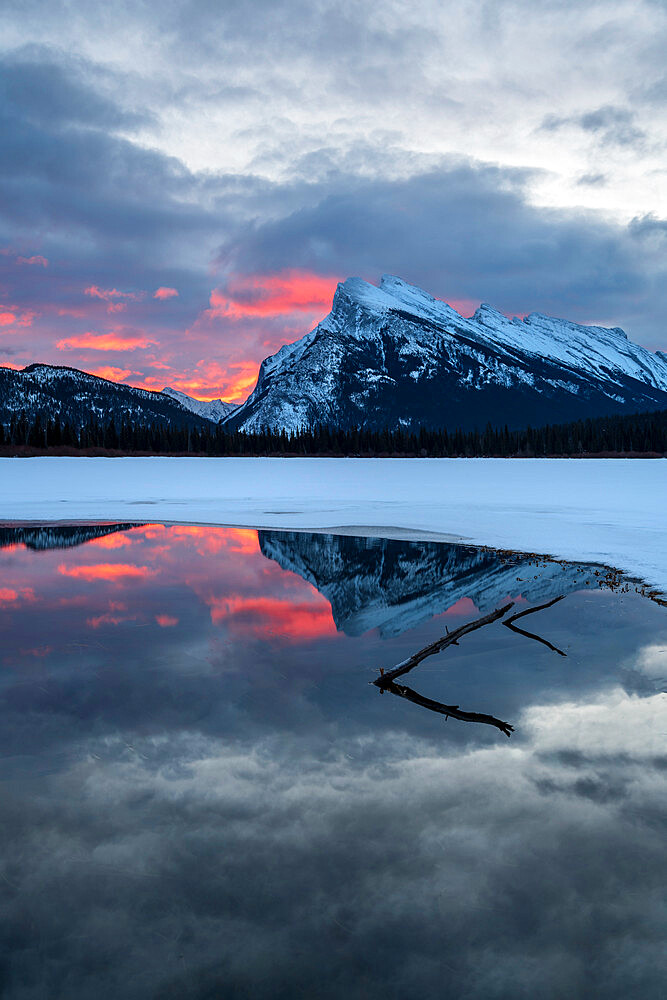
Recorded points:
(466, 231)
(116, 301)
(105, 342)
(36, 259)
(106, 571)
(611, 126)
(283, 294)
(302, 197)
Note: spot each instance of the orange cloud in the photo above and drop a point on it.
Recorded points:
(111, 373)
(166, 621)
(244, 540)
(273, 295)
(110, 541)
(263, 617)
(164, 293)
(7, 318)
(211, 380)
(105, 342)
(107, 571)
(38, 651)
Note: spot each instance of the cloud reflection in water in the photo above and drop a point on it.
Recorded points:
(210, 809)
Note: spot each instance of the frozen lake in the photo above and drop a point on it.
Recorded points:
(608, 511)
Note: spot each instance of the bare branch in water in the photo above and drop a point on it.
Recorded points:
(386, 681)
(448, 710)
(509, 623)
(451, 639)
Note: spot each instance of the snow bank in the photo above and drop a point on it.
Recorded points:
(613, 512)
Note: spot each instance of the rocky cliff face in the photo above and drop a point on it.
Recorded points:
(394, 356)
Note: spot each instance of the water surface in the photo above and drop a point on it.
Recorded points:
(203, 796)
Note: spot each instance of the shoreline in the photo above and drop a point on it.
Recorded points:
(610, 513)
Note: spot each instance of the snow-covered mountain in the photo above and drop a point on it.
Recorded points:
(212, 409)
(72, 395)
(394, 585)
(394, 355)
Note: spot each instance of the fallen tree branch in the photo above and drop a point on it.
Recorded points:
(451, 639)
(447, 710)
(509, 623)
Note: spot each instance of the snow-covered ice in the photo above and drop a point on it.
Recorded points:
(607, 511)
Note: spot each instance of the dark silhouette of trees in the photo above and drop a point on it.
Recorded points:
(641, 433)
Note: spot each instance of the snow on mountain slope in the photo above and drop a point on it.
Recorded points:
(394, 355)
(394, 586)
(213, 409)
(72, 395)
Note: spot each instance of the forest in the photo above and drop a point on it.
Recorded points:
(641, 434)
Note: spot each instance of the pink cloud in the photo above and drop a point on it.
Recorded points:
(37, 259)
(166, 621)
(164, 293)
(116, 301)
(281, 294)
(13, 316)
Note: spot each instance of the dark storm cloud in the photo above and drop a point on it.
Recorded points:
(468, 231)
(48, 89)
(105, 210)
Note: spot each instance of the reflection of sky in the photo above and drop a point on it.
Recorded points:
(203, 796)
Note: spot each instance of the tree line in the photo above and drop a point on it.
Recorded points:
(642, 433)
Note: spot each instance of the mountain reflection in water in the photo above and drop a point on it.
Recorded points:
(203, 796)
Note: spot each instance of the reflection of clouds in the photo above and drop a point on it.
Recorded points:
(359, 868)
(612, 720)
(652, 661)
(198, 811)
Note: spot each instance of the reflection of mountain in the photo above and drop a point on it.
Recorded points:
(45, 536)
(394, 585)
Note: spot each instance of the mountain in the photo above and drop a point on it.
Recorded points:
(41, 537)
(394, 356)
(72, 395)
(395, 585)
(212, 409)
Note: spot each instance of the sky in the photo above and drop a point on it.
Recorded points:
(184, 183)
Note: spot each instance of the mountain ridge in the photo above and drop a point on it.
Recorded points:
(394, 355)
(73, 395)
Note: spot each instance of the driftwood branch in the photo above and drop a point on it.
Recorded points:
(387, 680)
(447, 710)
(451, 639)
(509, 623)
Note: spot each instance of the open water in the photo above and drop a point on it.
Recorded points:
(204, 796)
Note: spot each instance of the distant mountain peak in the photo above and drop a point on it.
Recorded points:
(211, 409)
(393, 355)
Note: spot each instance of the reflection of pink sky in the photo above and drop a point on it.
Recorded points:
(156, 577)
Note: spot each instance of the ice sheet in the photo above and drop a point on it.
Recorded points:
(608, 511)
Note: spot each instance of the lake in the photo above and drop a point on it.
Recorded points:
(204, 795)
